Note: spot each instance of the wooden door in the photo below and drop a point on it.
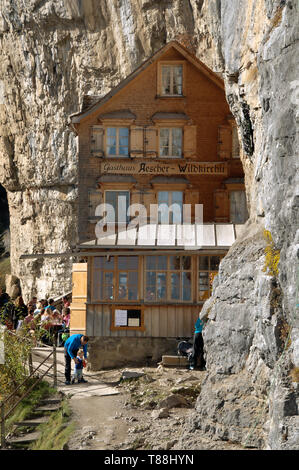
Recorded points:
(224, 142)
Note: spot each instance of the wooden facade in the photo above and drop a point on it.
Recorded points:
(164, 135)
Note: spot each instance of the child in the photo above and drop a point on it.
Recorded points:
(78, 371)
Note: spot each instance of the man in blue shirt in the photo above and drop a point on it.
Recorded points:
(197, 350)
(71, 347)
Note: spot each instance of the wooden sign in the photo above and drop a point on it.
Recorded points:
(163, 168)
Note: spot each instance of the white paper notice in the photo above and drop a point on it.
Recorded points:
(121, 317)
(133, 322)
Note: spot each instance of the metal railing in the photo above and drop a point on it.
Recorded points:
(4, 415)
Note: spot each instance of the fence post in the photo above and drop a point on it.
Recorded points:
(2, 426)
(55, 365)
(30, 362)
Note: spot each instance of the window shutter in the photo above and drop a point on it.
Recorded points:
(238, 207)
(221, 205)
(189, 141)
(94, 199)
(151, 141)
(224, 142)
(192, 197)
(97, 141)
(136, 142)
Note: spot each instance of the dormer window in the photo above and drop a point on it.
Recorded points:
(172, 80)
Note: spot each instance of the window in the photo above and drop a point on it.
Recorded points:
(170, 207)
(208, 267)
(115, 278)
(171, 140)
(168, 278)
(238, 207)
(172, 80)
(117, 142)
(119, 204)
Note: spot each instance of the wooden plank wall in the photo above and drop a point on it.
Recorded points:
(79, 297)
(160, 321)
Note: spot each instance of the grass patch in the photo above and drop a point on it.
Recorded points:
(56, 433)
(4, 269)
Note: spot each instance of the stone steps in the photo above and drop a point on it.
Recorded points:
(48, 407)
(33, 421)
(37, 418)
(24, 439)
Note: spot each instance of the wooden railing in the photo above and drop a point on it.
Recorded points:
(5, 414)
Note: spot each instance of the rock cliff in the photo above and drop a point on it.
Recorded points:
(54, 53)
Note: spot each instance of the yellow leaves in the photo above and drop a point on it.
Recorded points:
(272, 256)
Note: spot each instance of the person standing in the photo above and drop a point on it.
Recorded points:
(21, 311)
(197, 350)
(78, 372)
(71, 347)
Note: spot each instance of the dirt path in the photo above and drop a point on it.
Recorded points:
(96, 425)
(149, 412)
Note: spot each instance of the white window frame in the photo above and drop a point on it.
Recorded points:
(117, 154)
(171, 67)
(170, 129)
(116, 211)
(170, 203)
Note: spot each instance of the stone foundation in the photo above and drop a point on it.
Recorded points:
(105, 352)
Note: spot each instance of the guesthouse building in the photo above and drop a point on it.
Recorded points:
(161, 200)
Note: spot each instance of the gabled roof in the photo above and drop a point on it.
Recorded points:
(77, 117)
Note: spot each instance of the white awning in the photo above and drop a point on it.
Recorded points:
(160, 236)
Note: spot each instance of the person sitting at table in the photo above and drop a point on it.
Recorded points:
(66, 316)
(66, 302)
(39, 306)
(50, 305)
(29, 320)
(56, 317)
(44, 317)
(45, 323)
(29, 323)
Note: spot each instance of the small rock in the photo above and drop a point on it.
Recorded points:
(162, 413)
(170, 444)
(127, 374)
(174, 401)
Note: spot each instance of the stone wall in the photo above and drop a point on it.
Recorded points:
(51, 54)
(105, 353)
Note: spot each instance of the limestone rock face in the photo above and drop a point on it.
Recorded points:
(52, 53)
